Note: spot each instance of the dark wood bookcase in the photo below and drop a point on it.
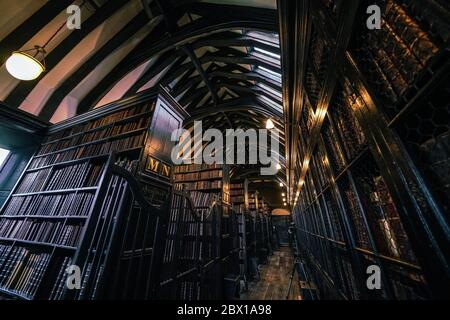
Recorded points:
(208, 189)
(239, 201)
(92, 196)
(372, 185)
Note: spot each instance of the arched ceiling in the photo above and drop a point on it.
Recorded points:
(219, 59)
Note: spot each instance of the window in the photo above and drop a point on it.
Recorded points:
(3, 156)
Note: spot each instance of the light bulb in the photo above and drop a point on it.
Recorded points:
(22, 66)
(281, 184)
(269, 124)
(278, 166)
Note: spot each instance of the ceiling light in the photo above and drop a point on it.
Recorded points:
(29, 64)
(278, 166)
(269, 124)
(24, 66)
(283, 194)
(281, 184)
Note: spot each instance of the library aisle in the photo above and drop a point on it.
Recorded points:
(173, 149)
(274, 279)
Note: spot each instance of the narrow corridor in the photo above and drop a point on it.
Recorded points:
(274, 281)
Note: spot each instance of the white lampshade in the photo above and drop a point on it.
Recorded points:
(22, 66)
(269, 124)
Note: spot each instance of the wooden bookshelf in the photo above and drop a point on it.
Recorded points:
(208, 187)
(62, 209)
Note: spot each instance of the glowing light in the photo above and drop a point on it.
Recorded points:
(22, 66)
(269, 124)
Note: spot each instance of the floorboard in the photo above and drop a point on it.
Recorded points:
(274, 281)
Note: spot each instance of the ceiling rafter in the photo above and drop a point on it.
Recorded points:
(24, 88)
(195, 61)
(159, 66)
(195, 30)
(71, 82)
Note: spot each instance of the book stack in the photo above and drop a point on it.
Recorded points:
(204, 178)
(91, 149)
(61, 278)
(237, 197)
(335, 155)
(347, 126)
(196, 167)
(396, 240)
(57, 232)
(359, 225)
(182, 249)
(394, 56)
(22, 270)
(42, 223)
(59, 205)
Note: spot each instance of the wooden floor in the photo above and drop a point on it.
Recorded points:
(274, 281)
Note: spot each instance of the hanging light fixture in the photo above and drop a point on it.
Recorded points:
(27, 64)
(269, 124)
(30, 64)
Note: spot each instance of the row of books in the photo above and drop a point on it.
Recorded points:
(80, 175)
(396, 53)
(34, 181)
(200, 185)
(388, 230)
(236, 192)
(21, 270)
(201, 175)
(85, 174)
(333, 149)
(180, 218)
(93, 136)
(51, 232)
(72, 204)
(196, 167)
(236, 186)
(103, 121)
(129, 112)
(61, 279)
(347, 126)
(318, 170)
(90, 150)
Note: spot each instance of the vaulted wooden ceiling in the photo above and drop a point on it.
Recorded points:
(219, 59)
